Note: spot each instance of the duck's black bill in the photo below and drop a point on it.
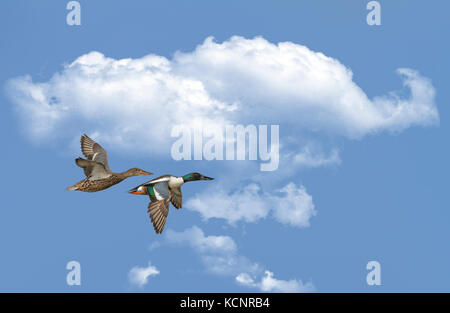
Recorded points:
(207, 178)
(135, 191)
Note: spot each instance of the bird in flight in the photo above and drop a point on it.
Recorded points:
(96, 168)
(162, 191)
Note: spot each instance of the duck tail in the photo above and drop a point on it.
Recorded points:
(75, 187)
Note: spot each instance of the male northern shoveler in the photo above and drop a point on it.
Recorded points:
(162, 191)
(96, 168)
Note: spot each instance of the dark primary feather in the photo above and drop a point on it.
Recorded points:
(159, 210)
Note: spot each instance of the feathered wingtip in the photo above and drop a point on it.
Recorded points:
(72, 188)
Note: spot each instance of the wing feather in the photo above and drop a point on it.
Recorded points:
(159, 210)
(176, 197)
(92, 169)
(94, 152)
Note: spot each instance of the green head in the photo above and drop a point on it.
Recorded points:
(195, 176)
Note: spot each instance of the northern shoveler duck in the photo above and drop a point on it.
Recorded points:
(96, 168)
(162, 191)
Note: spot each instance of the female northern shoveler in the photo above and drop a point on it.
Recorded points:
(96, 168)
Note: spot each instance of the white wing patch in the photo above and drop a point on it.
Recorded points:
(157, 195)
(163, 179)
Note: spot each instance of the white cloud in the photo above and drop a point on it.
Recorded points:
(154, 245)
(246, 280)
(270, 284)
(125, 102)
(292, 84)
(220, 256)
(195, 237)
(307, 158)
(239, 81)
(138, 276)
(290, 205)
(246, 204)
(294, 207)
(218, 253)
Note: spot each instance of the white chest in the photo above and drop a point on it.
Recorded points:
(175, 182)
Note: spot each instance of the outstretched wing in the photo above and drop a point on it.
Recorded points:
(94, 152)
(159, 210)
(176, 197)
(93, 170)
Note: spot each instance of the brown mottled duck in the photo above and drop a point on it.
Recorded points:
(96, 168)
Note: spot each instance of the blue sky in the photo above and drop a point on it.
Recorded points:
(382, 198)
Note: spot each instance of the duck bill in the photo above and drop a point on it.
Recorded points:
(135, 191)
(207, 178)
(145, 173)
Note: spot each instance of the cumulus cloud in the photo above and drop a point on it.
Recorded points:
(270, 284)
(238, 81)
(195, 238)
(290, 205)
(123, 101)
(292, 84)
(134, 103)
(138, 276)
(294, 206)
(220, 256)
(218, 253)
(247, 204)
